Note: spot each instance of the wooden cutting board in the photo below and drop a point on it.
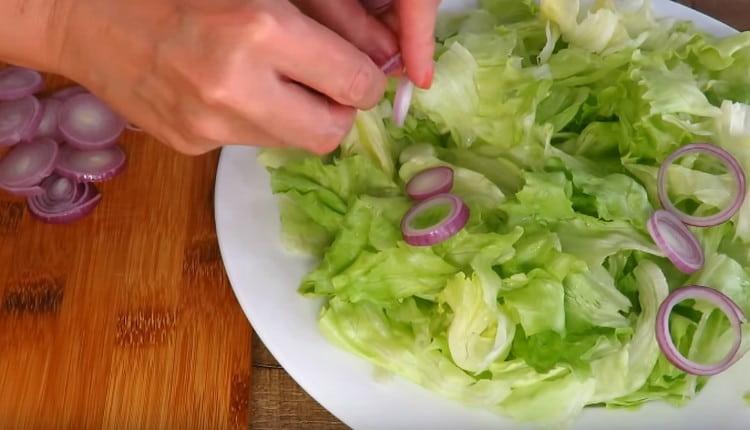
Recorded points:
(123, 320)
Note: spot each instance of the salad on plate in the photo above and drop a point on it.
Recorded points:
(558, 223)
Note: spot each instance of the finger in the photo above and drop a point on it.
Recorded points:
(376, 7)
(417, 25)
(322, 60)
(352, 22)
(310, 121)
(390, 19)
(299, 119)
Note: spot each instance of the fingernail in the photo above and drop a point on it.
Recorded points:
(426, 81)
(393, 65)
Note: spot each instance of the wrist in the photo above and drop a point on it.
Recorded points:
(32, 32)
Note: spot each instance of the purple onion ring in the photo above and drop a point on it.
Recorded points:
(722, 302)
(731, 164)
(430, 182)
(454, 220)
(677, 243)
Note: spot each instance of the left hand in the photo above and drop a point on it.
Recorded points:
(391, 26)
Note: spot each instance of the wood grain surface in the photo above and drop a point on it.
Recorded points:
(733, 12)
(124, 320)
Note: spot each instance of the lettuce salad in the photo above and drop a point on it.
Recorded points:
(555, 119)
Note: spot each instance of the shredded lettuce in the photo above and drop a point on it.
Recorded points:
(555, 118)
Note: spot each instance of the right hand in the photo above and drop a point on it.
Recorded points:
(409, 24)
(198, 74)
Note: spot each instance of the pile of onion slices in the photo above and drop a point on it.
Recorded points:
(60, 146)
(669, 229)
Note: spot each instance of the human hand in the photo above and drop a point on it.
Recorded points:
(381, 28)
(198, 74)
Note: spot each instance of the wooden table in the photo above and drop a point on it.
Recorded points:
(123, 320)
(126, 319)
(734, 12)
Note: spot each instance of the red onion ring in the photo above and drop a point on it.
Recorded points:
(60, 188)
(88, 123)
(729, 162)
(69, 92)
(28, 163)
(402, 101)
(18, 82)
(94, 165)
(48, 124)
(62, 204)
(450, 224)
(19, 119)
(722, 302)
(677, 242)
(394, 64)
(23, 191)
(80, 191)
(430, 182)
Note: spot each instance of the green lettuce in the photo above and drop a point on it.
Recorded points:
(555, 117)
(623, 372)
(476, 313)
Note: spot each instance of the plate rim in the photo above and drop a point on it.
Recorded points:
(700, 19)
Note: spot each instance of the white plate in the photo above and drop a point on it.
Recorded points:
(265, 280)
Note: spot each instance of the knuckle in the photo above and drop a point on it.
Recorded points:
(261, 25)
(188, 146)
(215, 94)
(202, 125)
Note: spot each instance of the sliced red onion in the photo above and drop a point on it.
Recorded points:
(18, 82)
(430, 182)
(729, 162)
(677, 242)
(94, 165)
(88, 123)
(69, 92)
(376, 7)
(19, 119)
(48, 124)
(722, 302)
(79, 190)
(23, 191)
(58, 205)
(402, 101)
(455, 218)
(60, 188)
(28, 163)
(394, 64)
